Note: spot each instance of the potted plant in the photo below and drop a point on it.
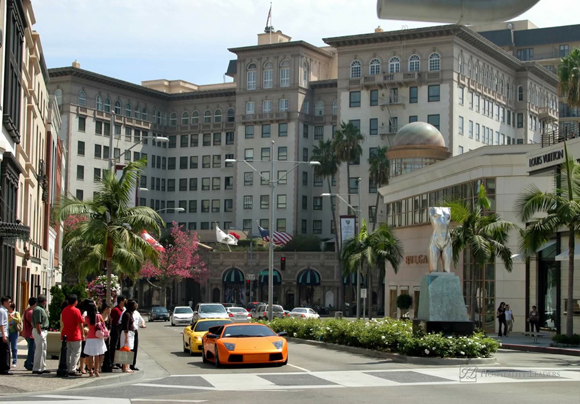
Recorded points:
(404, 301)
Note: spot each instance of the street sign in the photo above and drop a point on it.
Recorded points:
(250, 277)
(363, 293)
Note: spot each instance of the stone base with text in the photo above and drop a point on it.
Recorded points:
(441, 306)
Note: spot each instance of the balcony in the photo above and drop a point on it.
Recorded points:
(433, 76)
(547, 114)
(264, 117)
(565, 131)
(392, 100)
(462, 79)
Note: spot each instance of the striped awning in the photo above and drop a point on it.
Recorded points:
(264, 275)
(233, 276)
(351, 279)
(309, 277)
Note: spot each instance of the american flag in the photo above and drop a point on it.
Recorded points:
(280, 238)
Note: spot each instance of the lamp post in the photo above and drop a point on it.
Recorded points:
(273, 184)
(175, 209)
(358, 215)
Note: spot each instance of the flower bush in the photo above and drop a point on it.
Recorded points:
(97, 289)
(388, 335)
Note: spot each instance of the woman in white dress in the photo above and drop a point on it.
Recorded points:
(95, 347)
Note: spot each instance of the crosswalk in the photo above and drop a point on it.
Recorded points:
(359, 378)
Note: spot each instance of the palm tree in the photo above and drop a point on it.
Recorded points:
(379, 171)
(110, 227)
(569, 74)
(482, 235)
(562, 209)
(347, 147)
(374, 249)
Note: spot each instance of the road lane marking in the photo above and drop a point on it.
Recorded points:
(166, 400)
(298, 367)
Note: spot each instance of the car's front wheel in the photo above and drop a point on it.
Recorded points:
(217, 359)
(203, 357)
(185, 350)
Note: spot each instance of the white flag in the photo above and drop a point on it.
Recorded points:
(225, 238)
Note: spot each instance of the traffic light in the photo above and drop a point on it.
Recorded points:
(282, 263)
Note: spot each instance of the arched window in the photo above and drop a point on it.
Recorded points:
(118, 107)
(173, 119)
(195, 118)
(355, 69)
(501, 87)
(251, 77)
(394, 65)
(306, 107)
(268, 75)
(496, 84)
(231, 115)
(414, 63)
(99, 102)
(319, 108)
(375, 67)
(334, 107)
(285, 73)
(470, 69)
(128, 110)
(144, 114)
(207, 116)
(434, 62)
(460, 64)
(185, 118)
(477, 73)
(520, 93)
(82, 99)
(305, 74)
(107, 105)
(137, 112)
(217, 116)
(509, 92)
(164, 120)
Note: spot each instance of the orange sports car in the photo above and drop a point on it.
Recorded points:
(237, 343)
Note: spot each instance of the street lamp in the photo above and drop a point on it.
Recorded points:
(175, 209)
(273, 184)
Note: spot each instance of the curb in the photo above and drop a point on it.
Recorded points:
(415, 360)
(110, 380)
(541, 349)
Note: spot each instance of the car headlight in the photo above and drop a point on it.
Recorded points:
(278, 344)
(229, 346)
(198, 339)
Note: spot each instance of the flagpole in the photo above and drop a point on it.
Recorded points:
(271, 268)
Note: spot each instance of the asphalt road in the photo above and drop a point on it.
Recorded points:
(317, 375)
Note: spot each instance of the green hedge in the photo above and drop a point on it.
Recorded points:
(565, 340)
(387, 335)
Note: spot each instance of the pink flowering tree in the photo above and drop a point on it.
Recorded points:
(179, 261)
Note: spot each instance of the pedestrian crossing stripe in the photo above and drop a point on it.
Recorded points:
(359, 378)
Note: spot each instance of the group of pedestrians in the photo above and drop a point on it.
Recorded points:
(93, 334)
(506, 319)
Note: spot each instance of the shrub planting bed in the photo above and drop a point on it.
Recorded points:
(562, 340)
(387, 335)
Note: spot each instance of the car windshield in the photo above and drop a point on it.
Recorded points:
(278, 309)
(256, 330)
(299, 311)
(212, 308)
(204, 325)
(159, 310)
(183, 310)
(237, 310)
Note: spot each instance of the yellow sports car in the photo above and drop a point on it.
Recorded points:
(192, 334)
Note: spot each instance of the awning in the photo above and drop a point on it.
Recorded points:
(264, 275)
(522, 257)
(233, 276)
(309, 277)
(563, 256)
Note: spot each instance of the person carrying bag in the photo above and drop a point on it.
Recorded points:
(124, 355)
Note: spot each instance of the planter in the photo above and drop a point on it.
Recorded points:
(53, 343)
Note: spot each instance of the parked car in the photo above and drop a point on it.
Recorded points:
(261, 312)
(158, 313)
(239, 314)
(209, 310)
(226, 305)
(253, 306)
(303, 312)
(286, 313)
(181, 315)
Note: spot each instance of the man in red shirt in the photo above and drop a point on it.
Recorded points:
(27, 333)
(113, 343)
(72, 328)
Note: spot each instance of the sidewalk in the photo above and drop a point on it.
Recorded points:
(519, 342)
(24, 381)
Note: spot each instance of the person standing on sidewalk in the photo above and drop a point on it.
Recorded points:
(27, 333)
(534, 319)
(14, 328)
(509, 318)
(4, 344)
(115, 331)
(40, 332)
(138, 322)
(128, 330)
(72, 328)
(95, 347)
(501, 319)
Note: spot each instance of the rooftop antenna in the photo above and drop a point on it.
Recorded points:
(269, 27)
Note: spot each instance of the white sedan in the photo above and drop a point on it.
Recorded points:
(181, 315)
(303, 312)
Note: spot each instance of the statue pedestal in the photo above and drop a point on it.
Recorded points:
(441, 305)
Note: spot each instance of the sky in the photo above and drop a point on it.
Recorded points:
(136, 40)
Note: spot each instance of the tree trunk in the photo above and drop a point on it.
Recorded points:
(570, 308)
(348, 181)
(337, 248)
(109, 253)
(473, 290)
(163, 294)
(369, 291)
(376, 209)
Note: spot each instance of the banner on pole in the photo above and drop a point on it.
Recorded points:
(347, 227)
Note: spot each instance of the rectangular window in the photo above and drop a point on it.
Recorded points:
(265, 223)
(281, 201)
(193, 162)
(470, 129)
(434, 120)
(461, 94)
(355, 123)
(434, 93)
(137, 156)
(264, 201)
(317, 226)
(305, 178)
(98, 127)
(248, 202)
(229, 138)
(564, 50)
(520, 120)
(215, 205)
(106, 153)
(117, 153)
(172, 142)
(228, 207)
(477, 128)
(79, 194)
(80, 172)
(171, 163)
(282, 153)
(127, 155)
(304, 226)
(267, 106)
(183, 206)
(183, 163)
(281, 224)
(509, 118)
(317, 203)
(204, 225)
(282, 129)
(98, 153)
(107, 129)
(217, 161)
(305, 131)
(191, 226)
(229, 157)
(461, 125)
(249, 131)
(81, 148)
(283, 105)
(282, 177)
(183, 184)
(476, 103)
(372, 214)
(170, 185)
(373, 126)
(372, 187)
(265, 154)
(249, 154)
(470, 100)
(413, 95)
(217, 139)
(496, 112)
(82, 123)
(248, 178)
(525, 54)
(304, 154)
(318, 132)
(205, 207)
(266, 129)
(193, 206)
(229, 183)
(194, 140)
(374, 98)
(128, 134)
(207, 139)
(413, 118)
(205, 162)
(353, 185)
(193, 184)
(460, 149)
(304, 202)
(97, 175)
(317, 181)
(205, 183)
(251, 75)
(354, 99)
(250, 107)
